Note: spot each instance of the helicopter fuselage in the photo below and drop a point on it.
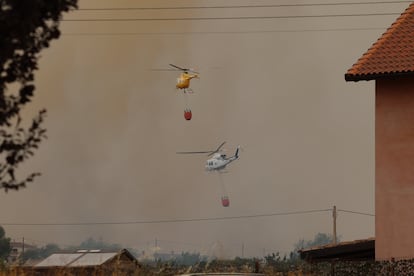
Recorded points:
(183, 81)
(218, 162)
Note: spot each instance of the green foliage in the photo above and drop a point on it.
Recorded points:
(188, 259)
(40, 253)
(26, 28)
(5, 247)
(319, 240)
(91, 243)
(279, 265)
(276, 263)
(345, 268)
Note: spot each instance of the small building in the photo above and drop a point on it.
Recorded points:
(88, 262)
(17, 249)
(390, 63)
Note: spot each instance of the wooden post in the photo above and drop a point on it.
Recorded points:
(334, 224)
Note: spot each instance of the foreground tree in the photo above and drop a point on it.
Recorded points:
(26, 28)
(5, 247)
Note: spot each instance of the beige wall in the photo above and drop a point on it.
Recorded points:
(394, 184)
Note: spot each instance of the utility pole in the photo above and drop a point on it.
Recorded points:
(242, 253)
(334, 215)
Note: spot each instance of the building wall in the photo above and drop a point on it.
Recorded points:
(394, 168)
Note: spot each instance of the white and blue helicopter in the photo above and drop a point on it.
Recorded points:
(218, 161)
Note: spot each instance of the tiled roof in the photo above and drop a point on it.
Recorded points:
(391, 55)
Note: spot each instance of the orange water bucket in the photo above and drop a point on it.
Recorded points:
(225, 201)
(187, 114)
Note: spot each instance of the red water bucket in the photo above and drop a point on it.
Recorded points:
(225, 201)
(187, 114)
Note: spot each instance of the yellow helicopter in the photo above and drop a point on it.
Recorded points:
(183, 81)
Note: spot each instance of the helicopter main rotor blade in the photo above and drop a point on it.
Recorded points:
(217, 150)
(219, 147)
(192, 152)
(210, 152)
(159, 69)
(182, 69)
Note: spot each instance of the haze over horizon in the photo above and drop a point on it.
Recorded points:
(273, 85)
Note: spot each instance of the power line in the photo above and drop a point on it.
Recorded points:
(227, 18)
(358, 213)
(168, 220)
(220, 32)
(244, 6)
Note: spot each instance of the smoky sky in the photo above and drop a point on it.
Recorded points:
(273, 86)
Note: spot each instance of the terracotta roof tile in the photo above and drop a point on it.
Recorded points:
(392, 54)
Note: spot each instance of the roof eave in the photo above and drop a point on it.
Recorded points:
(357, 250)
(375, 76)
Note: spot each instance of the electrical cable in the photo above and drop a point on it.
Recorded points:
(243, 6)
(167, 220)
(227, 18)
(358, 213)
(220, 32)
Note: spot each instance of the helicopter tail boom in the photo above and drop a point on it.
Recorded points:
(235, 156)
